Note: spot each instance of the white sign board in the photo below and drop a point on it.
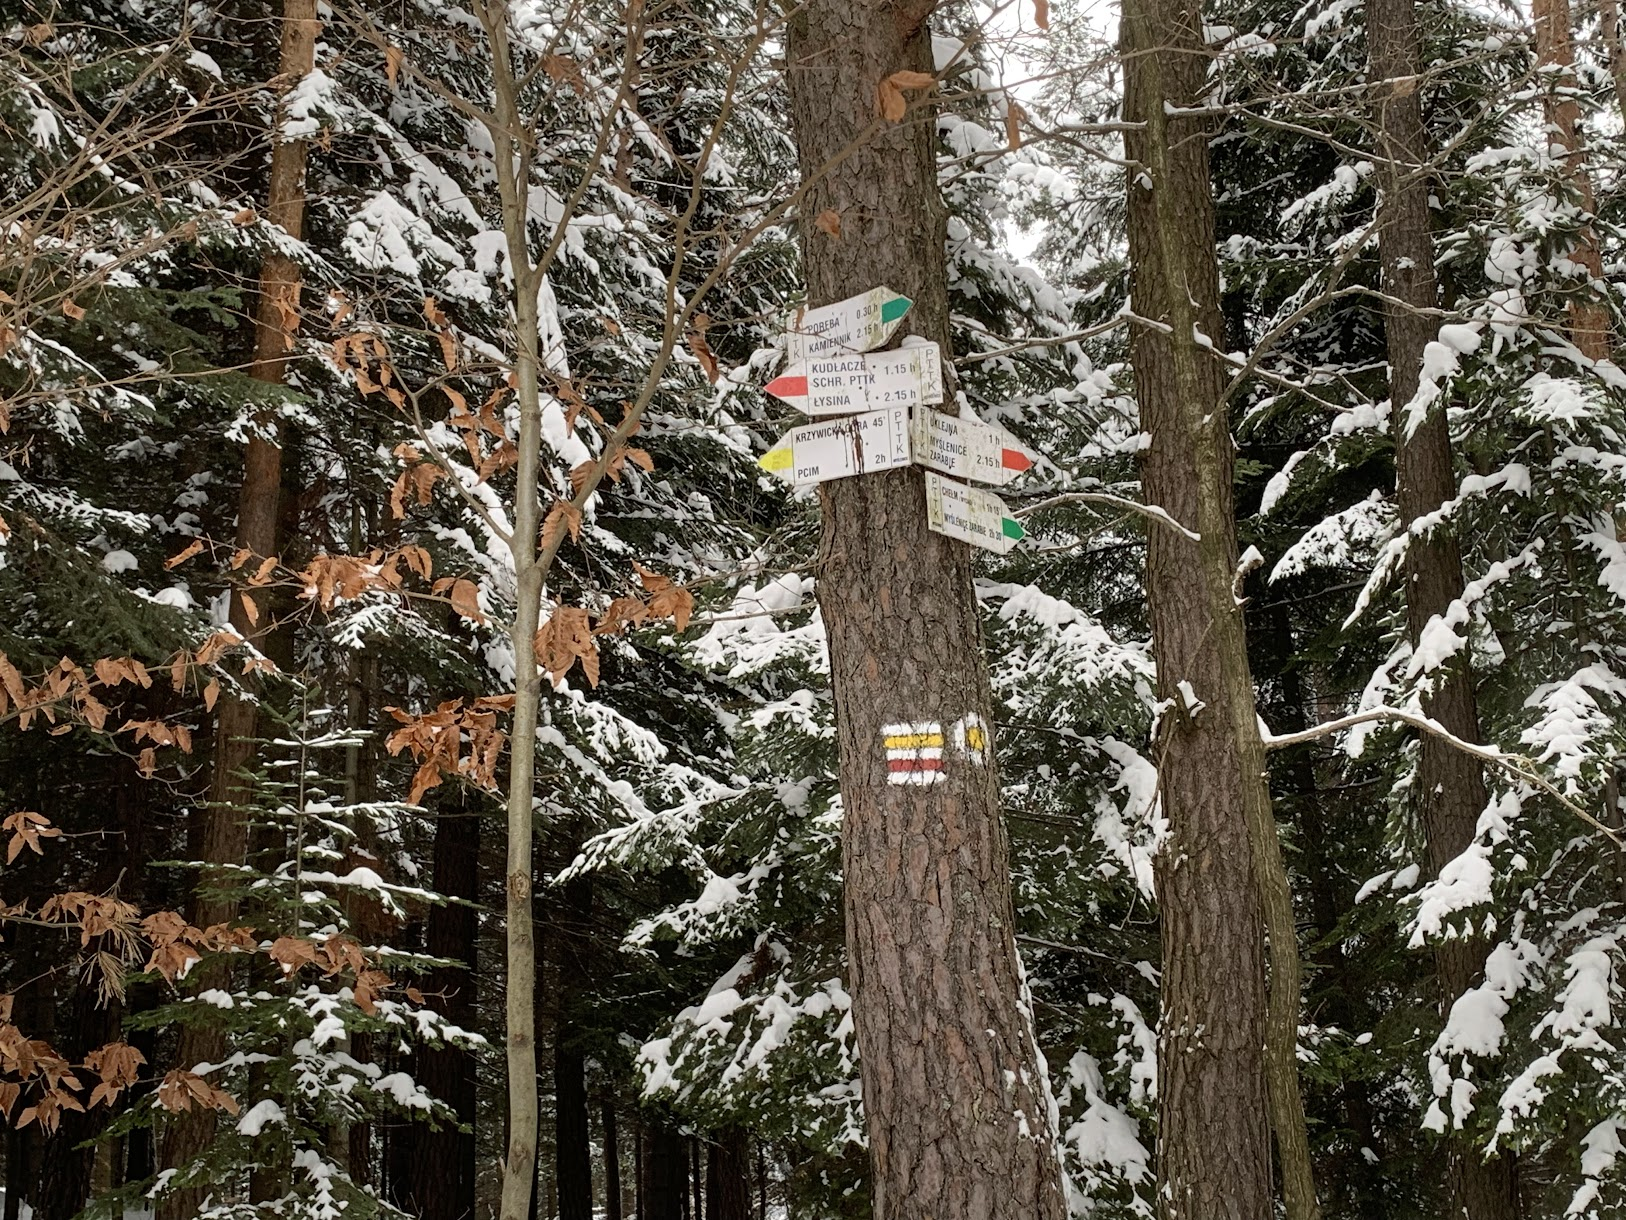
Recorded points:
(842, 384)
(968, 448)
(858, 444)
(857, 324)
(970, 514)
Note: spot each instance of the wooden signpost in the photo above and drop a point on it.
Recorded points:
(842, 384)
(834, 372)
(967, 448)
(858, 324)
(858, 444)
(970, 514)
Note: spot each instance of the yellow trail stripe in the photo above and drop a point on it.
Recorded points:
(912, 741)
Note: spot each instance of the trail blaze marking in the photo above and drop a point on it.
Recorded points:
(914, 752)
(971, 737)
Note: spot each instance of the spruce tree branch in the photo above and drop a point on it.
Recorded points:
(1150, 511)
(1514, 764)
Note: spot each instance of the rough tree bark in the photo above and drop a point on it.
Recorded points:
(664, 1180)
(441, 1167)
(276, 322)
(728, 1176)
(1226, 1052)
(614, 1205)
(955, 1098)
(1450, 785)
(1555, 51)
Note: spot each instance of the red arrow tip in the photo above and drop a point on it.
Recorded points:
(1014, 459)
(787, 387)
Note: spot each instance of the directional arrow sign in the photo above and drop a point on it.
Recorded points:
(967, 447)
(840, 385)
(970, 514)
(857, 324)
(815, 453)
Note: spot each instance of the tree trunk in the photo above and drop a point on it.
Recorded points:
(1450, 785)
(225, 836)
(1226, 1054)
(571, 934)
(728, 1176)
(955, 1094)
(573, 1151)
(612, 1163)
(440, 1170)
(1555, 48)
(1613, 49)
(665, 1179)
(513, 174)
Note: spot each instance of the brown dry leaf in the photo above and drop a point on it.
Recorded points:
(701, 349)
(912, 80)
(565, 639)
(246, 217)
(676, 603)
(292, 952)
(1013, 124)
(581, 474)
(27, 829)
(1041, 14)
(11, 679)
(564, 70)
(394, 57)
(465, 600)
(38, 35)
(561, 517)
(345, 309)
(250, 608)
(889, 103)
(829, 222)
(180, 1091)
(419, 480)
(175, 561)
(73, 311)
(889, 98)
(623, 611)
(210, 694)
(653, 582)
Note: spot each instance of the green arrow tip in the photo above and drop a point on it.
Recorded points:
(894, 309)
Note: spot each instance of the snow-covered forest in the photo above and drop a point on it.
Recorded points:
(1150, 745)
